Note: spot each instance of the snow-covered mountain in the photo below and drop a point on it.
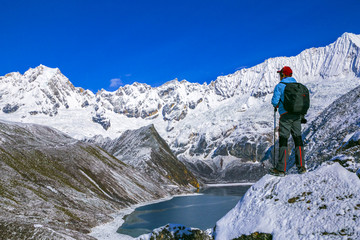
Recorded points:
(54, 186)
(213, 128)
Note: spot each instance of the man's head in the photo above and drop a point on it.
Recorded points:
(285, 72)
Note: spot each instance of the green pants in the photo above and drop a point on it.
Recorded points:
(290, 124)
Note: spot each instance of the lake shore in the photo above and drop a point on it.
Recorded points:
(108, 231)
(228, 184)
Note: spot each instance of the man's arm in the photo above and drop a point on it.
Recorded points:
(276, 97)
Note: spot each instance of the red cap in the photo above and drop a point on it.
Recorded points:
(286, 70)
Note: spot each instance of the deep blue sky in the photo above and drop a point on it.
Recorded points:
(153, 41)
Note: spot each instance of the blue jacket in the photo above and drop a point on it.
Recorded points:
(279, 94)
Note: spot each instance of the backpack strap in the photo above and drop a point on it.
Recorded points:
(284, 90)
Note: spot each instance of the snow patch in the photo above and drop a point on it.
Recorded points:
(52, 189)
(97, 185)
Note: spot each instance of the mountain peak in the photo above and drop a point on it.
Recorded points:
(44, 75)
(354, 38)
(42, 69)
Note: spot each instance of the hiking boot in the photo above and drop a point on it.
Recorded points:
(301, 170)
(275, 172)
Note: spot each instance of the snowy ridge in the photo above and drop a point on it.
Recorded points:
(225, 122)
(323, 204)
(339, 59)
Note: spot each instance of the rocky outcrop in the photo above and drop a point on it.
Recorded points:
(176, 232)
(103, 121)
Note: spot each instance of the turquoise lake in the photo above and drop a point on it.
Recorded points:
(199, 211)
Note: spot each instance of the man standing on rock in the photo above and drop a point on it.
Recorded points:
(293, 105)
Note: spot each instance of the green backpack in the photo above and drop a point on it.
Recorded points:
(296, 98)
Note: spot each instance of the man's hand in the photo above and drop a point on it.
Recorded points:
(303, 120)
(275, 109)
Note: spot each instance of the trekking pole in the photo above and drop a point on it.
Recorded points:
(274, 154)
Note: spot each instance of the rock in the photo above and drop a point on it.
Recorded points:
(103, 121)
(10, 108)
(176, 232)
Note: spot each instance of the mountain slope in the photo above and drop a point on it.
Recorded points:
(334, 131)
(145, 150)
(323, 204)
(210, 126)
(55, 186)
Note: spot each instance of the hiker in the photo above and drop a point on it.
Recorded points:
(290, 123)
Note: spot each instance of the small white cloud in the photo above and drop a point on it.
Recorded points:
(115, 82)
(128, 75)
